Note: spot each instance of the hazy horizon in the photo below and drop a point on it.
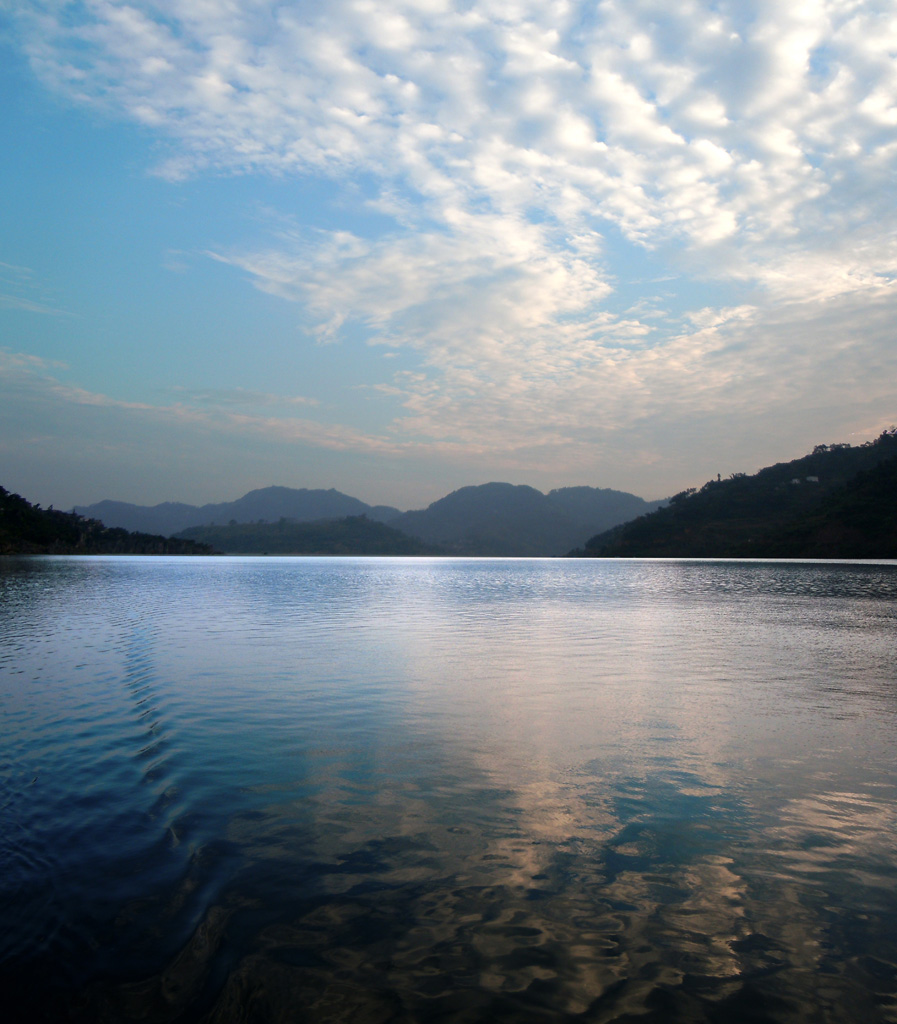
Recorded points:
(435, 491)
(402, 248)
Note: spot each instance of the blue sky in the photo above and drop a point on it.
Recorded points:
(397, 248)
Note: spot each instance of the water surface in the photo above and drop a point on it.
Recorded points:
(449, 790)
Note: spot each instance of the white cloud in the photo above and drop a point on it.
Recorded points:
(508, 104)
(747, 147)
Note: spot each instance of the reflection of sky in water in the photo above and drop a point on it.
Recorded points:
(468, 789)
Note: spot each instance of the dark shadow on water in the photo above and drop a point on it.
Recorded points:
(658, 923)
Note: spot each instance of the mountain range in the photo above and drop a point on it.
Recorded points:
(266, 505)
(488, 519)
(836, 502)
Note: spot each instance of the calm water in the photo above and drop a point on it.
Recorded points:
(376, 790)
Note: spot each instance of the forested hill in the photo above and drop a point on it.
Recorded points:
(351, 535)
(31, 530)
(836, 502)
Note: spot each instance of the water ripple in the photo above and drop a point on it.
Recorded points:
(415, 790)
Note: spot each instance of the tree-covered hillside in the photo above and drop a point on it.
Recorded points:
(836, 502)
(31, 530)
(353, 535)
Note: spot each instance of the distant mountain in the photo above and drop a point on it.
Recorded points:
(166, 519)
(32, 530)
(836, 502)
(600, 508)
(490, 519)
(507, 519)
(267, 505)
(353, 535)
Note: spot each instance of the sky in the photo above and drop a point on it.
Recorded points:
(401, 247)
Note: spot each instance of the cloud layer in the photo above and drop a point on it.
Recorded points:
(597, 219)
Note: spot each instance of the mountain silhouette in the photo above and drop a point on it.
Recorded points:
(267, 505)
(508, 519)
(487, 519)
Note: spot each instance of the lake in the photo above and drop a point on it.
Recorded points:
(412, 790)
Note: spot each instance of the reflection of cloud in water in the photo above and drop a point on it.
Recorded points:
(517, 806)
(497, 903)
(837, 832)
(585, 839)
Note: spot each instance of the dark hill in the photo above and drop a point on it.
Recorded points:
(494, 519)
(836, 502)
(353, 535)
(508, 519)
(167, 518)
(858, 520)
(29, 529)
(267, 504)
(600, 508)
